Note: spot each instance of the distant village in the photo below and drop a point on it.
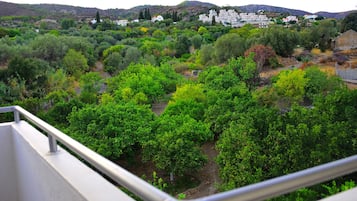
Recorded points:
(229, 17)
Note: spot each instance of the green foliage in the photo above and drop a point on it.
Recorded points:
(349, 22)
(97, 17)
(334, 189)
(32, 71)
(182, 45)
(190, 92)
(218, 78)
(48, 47)
(282, 40)
(229, 46)
(61, 106)
(67, 23)
(119, 57)
(175, 147)
(181, 196)
(291, 85)
(225, 106)
(158, 182)
(90, 84)
(256, 139)
(320, 35)
(240, 157)
(196, 41)
(75, 63)
(153, 82)
(319, 83)
(245, 69)
(112, 129)
(188, 99)
(206, 54)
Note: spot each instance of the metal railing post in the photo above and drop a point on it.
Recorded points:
(52, 143)
(16, 116)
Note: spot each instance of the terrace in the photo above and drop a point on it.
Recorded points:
(34, 167)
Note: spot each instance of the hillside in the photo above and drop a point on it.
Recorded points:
(186, 8)
(273, 9)
(339, 15)
(7, 9)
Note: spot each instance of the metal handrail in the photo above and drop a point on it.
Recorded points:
(260, 191)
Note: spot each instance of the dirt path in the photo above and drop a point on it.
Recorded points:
(159, 108)
(99, 67)
(208, 175)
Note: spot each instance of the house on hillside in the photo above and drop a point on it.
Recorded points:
(158, 18)
(346, 41)
(122, 23)
(291, 19)
(310, 17)
(234, 19)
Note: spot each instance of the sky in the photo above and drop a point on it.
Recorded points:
(306, 5)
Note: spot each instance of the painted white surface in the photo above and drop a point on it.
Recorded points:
(36, 175)
(8, 176)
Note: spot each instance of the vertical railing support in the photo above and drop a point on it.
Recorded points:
(53, 143)
(16, 116)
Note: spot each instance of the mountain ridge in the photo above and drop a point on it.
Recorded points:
(186, 7)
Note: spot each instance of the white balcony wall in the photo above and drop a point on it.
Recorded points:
(28, 172)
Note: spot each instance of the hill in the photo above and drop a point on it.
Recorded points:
(339, 15)
(12, 9)
(186, 9)
(273, 9)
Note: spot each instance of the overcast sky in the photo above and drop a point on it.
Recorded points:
(307, 5)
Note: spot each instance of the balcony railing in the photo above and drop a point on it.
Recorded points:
(260, 191)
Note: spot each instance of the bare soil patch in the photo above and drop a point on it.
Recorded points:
(208, 175)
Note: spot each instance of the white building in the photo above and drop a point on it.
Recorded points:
(158, 18)
(290, 18)
(234, 19)
(94, 21)
(121, 22)
(310, 17)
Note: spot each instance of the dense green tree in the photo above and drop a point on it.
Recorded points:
(6, 52)
(320, 35)
(188, 99)
(240, 157)
(206, 54)
(82, 45)
(182, 45)
(319, 83)
(119, 57)
(48, 47)
(349, 22)
(196, 41)
(97, 17)
(67, 23)
(229, 46)
(175, 147)
(246, 70)
(227, 105)
(90, 83)
(145, 79)
(290, 86)
(218, 78)
(282, 40)
(31, 70)
(114, 63)
(75, 63)
(112, 129)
